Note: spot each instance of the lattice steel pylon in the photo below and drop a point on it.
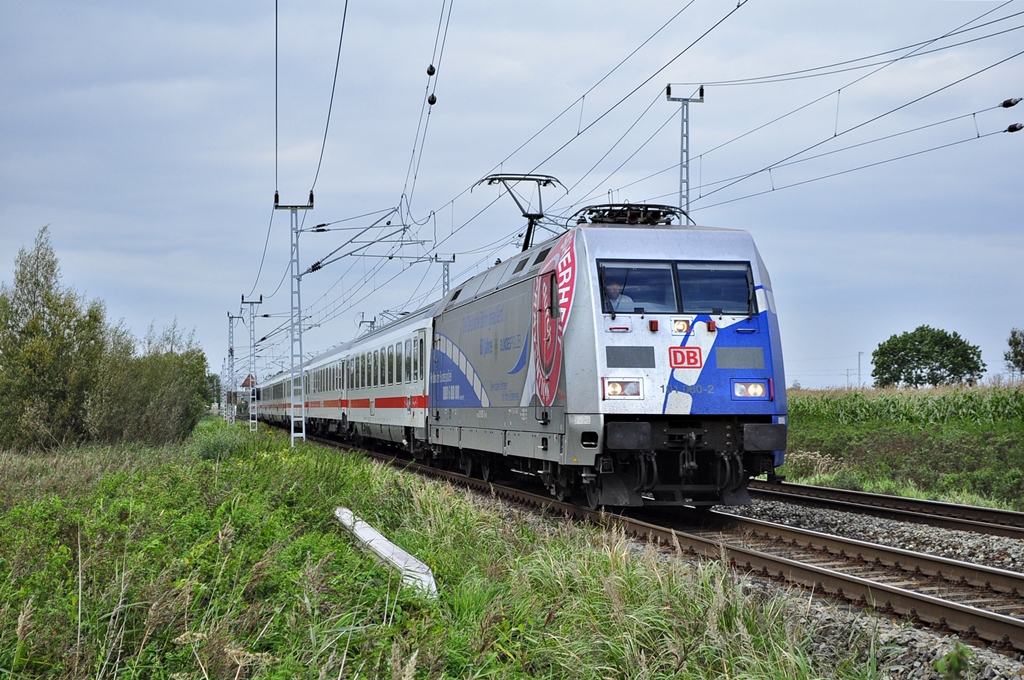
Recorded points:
(232, 380)
(224, 389)
(252, 361)
(298, 387)
(684, 145)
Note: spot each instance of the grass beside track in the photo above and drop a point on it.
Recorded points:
(221, 559)
(963, 445)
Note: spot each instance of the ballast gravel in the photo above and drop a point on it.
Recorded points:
(906, 652)
(902, 651)
(992, 551)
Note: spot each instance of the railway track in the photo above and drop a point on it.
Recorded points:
(977, 603)
(946, 515)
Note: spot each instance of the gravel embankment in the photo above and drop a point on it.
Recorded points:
(902, 652)
(905, 652)
(992, 551)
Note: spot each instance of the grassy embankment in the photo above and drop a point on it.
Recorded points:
(221, 559)
(963, 445)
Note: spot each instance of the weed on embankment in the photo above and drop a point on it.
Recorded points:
(221, 559)
(958, 444)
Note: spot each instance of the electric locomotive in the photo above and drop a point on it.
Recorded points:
(629, 361)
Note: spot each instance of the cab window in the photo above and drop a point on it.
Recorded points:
(637, 287)
(716, 288)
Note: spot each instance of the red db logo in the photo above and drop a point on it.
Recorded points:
(685, 357)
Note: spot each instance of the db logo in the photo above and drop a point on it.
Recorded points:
(685, 357)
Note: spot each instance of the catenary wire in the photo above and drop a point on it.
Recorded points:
(863, 123)
(818, 71)
(849, 170)
(870, 120)
(334, 86)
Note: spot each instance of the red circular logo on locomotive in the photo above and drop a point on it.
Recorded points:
(553, 291)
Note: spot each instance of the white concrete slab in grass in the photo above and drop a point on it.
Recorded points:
(414, 573)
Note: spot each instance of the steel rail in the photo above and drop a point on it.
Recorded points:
(968, 622)
(934, 513)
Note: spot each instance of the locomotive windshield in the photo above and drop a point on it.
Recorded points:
(637, 287)
(676, 287)
(716, 288)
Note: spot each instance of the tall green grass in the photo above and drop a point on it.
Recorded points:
(953, 444)
(911, 407)
(221, 559)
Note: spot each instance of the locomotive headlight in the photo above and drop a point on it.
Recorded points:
(754, 390)
(680, 326)
(623, 388)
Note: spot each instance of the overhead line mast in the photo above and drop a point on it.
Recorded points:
(252, 360)
(232, 380)
(297, 397)
(684, 145)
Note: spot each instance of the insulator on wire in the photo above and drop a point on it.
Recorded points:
(1010, 102)
(431, 70)
(1016, 127)
(431, 100)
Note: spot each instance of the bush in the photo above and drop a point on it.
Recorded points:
(69, 377)
(155, 396)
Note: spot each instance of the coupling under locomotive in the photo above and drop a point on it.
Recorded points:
(629, 361)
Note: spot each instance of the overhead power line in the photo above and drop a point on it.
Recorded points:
(864, 123)
(826, 70)
(334, 86)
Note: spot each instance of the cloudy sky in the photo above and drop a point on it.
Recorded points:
(144, 135)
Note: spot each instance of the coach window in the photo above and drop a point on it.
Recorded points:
(375, 369)
(398, 363)
(423, 366)
(415, 359)
(383, 366)
(409, 360)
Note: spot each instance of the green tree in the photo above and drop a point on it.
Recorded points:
(51, 343)
(67, 376)
(926, 356)
(1014, 356)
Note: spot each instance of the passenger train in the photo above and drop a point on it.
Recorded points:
(630, 361)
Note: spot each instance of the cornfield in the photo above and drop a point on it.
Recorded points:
(922, 407)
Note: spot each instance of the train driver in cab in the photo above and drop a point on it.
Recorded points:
(614, 299)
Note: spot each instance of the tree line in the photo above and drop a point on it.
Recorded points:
(69, 376)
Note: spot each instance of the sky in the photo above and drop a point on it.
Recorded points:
(150, 137)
